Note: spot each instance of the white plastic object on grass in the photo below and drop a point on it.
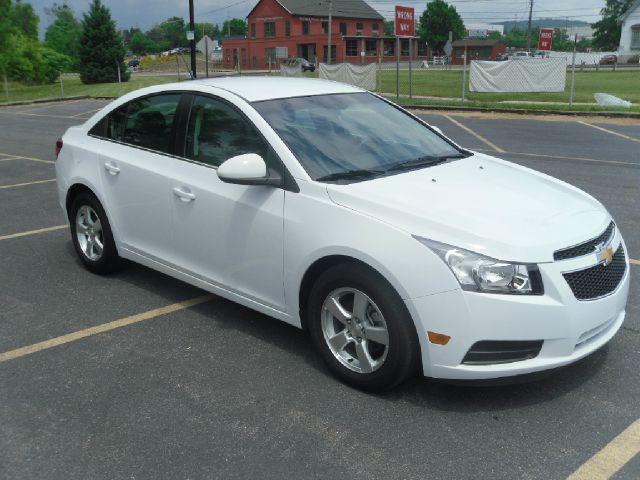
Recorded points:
(610, 100)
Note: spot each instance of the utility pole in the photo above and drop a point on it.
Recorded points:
(329, 39)
(529, 29)
(192, 28)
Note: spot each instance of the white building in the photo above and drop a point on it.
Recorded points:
(630, 37)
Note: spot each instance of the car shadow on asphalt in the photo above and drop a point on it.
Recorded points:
(425, 392)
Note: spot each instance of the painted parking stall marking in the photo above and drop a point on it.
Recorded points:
(33, 232)
(475, 134)
(105, 327)
(622, 135)
(25, 184)
(604, 464)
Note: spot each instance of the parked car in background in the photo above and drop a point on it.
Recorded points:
(135, 63)
(609, 60)
(337, 211)
(519, 55)
(306, 65)
(501, 57)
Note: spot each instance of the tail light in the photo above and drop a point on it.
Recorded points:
(58, 147)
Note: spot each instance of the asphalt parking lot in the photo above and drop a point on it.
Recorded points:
(204, 388)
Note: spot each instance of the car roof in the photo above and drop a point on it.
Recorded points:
(258, 88)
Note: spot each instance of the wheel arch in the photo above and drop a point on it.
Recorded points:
(79, 187)
(320, 265)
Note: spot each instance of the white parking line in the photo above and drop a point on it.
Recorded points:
(582, 159)
(38, 115)
(105, 327)
(610, 131)
(633, 261)
(15, 185)
(9, 158)
(477, 135)
(84, 113)
(33, 232)
(604, 464)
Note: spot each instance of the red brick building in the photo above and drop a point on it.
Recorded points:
(301, 26)
(476, 50)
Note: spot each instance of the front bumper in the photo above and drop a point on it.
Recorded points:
(570, 329)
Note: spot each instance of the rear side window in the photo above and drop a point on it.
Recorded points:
(145, 122)
(217, 132)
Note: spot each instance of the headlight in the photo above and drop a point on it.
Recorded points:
(478, 273)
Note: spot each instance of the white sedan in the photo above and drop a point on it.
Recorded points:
(336, 211)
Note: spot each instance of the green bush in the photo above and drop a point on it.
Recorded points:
(33, 63)
(634, 59)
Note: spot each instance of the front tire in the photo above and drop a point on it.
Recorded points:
(91, 235)
(362, 328)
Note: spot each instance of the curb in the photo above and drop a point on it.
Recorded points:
(522, 111)
(56, 99)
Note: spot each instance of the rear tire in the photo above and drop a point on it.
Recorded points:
(362, 328)
(91, 235)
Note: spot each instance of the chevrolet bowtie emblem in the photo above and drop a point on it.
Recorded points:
(604, 254)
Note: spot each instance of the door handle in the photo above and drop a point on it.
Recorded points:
(111, 168)
(184, 194)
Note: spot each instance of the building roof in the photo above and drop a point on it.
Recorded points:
(340, 9)
(475, 43)
(635, 5)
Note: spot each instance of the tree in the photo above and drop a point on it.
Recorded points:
(101, 50)
(24, 17)
(210, 29)
(169, 34)
(64, 32)
(234, 27)
(389, 28)
(140, 44)
(606, 35)
(437, 21)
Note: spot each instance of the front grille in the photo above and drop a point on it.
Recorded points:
(585, 248)
(488, 352)
(597, 281)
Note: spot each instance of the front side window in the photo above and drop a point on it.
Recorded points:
(145, 122)
(332, 134)
(217, 132)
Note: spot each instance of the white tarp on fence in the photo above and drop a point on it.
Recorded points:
(363, 76)
(290, 70)
(521, 75)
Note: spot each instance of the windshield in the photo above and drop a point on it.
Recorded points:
(352, 133)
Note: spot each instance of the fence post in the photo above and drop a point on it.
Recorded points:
(464, 73)
(573, 71)
(410, 72)
(61, 86)
(178, 65)
(397, 68)
(6, 84)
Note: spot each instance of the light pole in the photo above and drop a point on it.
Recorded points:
(193, 40)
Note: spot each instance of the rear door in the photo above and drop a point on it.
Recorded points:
(136, 166)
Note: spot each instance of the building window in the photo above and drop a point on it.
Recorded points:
(333, 53)
(244, 56)
(325, 27)
(228, 55)
(305, 27)
(269, 29)
(422, 48)
(635, 37)
(389, 48)
(370, 48)
(352, 48)
(375, 30)
(404, 47)
(253, 30)
(359, 29)
(287, 28)
(270, 55)
(343, 29)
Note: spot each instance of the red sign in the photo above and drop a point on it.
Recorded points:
(546, 39)
(405, 22)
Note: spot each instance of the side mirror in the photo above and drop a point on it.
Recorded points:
(247, 169)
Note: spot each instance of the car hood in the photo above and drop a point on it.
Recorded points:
(482, 204)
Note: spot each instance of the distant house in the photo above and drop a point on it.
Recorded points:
(476, 50)
(630, 36)
(301, 27)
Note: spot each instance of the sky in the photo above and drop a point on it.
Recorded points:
(145, 13)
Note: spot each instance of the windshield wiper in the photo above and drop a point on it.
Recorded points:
(347, 174)
(426, 161)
